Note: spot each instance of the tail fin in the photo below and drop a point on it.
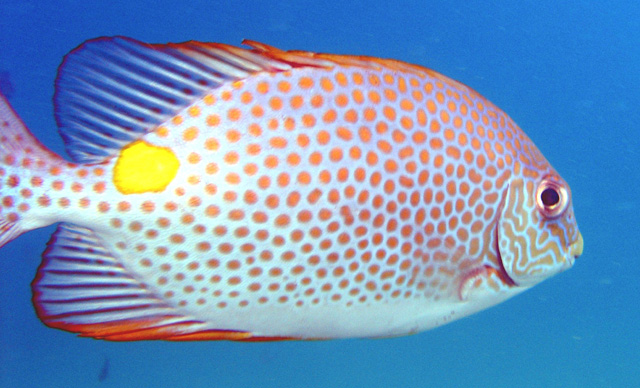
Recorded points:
(19, 151)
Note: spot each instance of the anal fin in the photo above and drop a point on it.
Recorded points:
(80, 287)
(9, 230)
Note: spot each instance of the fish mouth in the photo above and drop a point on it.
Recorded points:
(575, 249)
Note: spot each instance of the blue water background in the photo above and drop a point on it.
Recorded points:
(567, 72)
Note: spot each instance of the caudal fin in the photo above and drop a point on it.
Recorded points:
(20, 151)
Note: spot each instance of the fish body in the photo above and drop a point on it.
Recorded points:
(259, 194)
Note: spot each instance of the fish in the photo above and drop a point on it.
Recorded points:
(217, 192)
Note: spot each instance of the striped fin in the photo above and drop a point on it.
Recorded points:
(17, 141)
(111, 91)
(82, 288)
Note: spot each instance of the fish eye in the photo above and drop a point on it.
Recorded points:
(551, 198)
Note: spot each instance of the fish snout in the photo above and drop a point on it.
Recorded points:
(575, 249)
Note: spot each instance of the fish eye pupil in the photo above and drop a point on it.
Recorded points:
(550, 197)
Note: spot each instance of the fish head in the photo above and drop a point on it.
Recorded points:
(537, 232)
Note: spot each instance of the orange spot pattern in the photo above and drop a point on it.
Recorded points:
(344, 185)
(347, 187)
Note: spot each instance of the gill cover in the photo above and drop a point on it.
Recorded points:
(528, 238)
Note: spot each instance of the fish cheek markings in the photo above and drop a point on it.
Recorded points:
(525, 247)
(486, 274)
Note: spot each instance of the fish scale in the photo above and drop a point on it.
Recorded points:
(358, 210)
(287, 195)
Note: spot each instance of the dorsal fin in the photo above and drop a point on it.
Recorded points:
(111, 91)
(298, 58)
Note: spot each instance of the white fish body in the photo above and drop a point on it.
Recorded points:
(226, 193)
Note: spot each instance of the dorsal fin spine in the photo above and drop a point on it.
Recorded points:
(112, 91)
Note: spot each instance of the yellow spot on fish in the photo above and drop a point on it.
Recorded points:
(142, 167)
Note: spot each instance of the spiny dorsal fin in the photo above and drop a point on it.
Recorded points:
(111, 91)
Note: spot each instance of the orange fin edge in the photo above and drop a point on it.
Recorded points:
(309, 58)
(145, 330)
